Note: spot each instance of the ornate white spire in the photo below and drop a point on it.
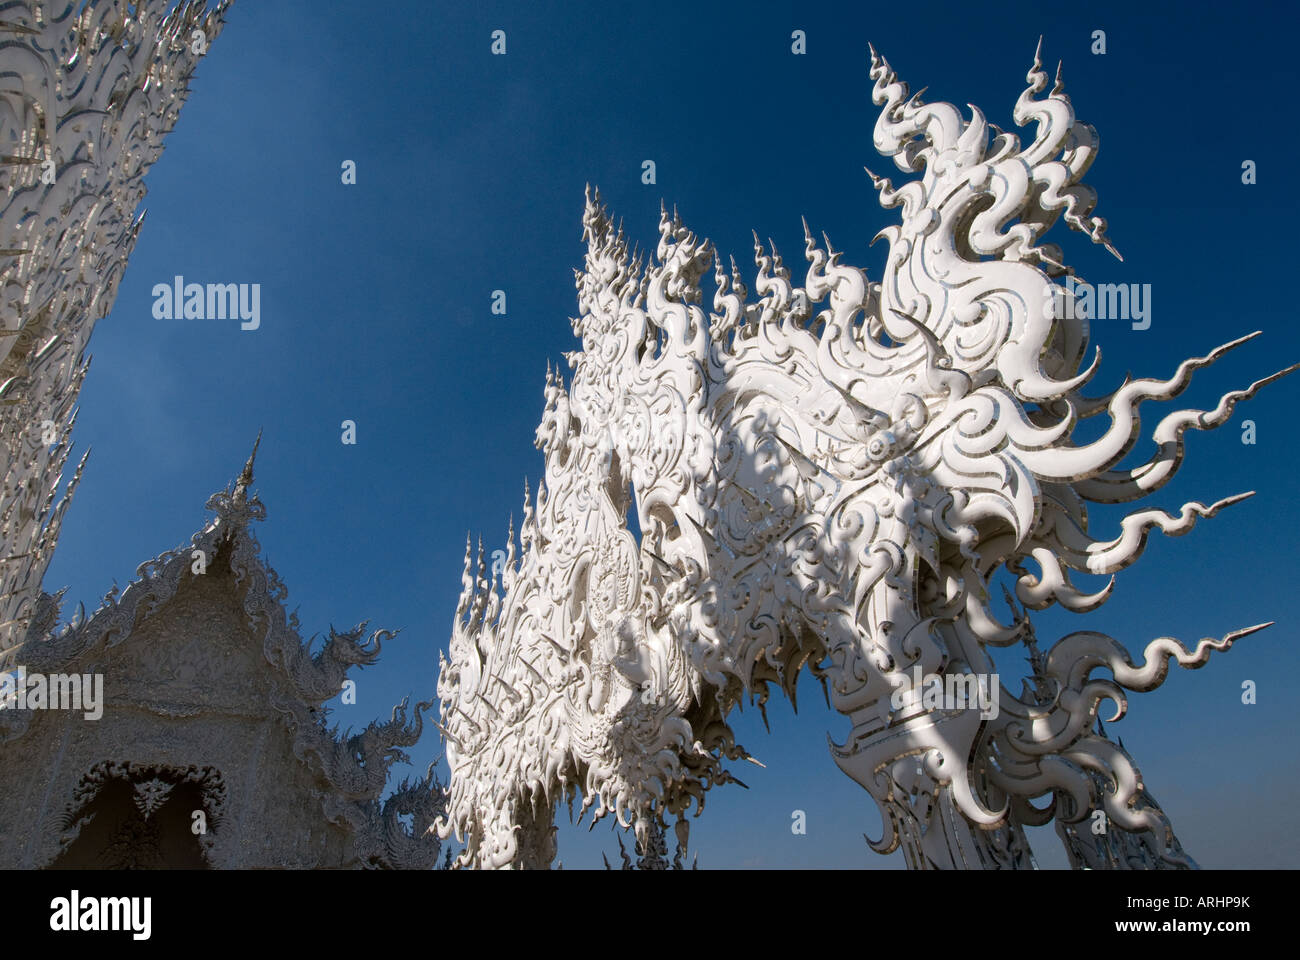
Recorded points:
(235, 506)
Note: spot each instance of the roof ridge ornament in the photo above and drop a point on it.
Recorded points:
(235, 506)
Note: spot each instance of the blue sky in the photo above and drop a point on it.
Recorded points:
(470, 173)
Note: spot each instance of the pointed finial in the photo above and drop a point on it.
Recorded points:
(246, 476)
(236, 507)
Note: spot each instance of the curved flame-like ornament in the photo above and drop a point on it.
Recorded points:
(829, 477)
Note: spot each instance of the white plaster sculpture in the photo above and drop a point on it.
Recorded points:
(209, 682)
(829, 477)
(88, 91)
(205, 668)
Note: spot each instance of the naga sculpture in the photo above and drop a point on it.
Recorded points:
(829, 477)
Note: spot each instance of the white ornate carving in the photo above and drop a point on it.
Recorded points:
(827, 477)
(87, 94)
(314, 801)
(150, 795)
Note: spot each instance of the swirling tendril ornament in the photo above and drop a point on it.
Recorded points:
(828, 477)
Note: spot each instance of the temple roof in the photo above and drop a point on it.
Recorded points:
(355, 765)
